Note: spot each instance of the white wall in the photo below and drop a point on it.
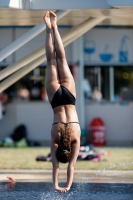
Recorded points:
(108, 46)
(8, 122)
(118, 121)
(6, 38)
(37, 117)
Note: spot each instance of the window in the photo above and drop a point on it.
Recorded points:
(123, 77)
(99, 80)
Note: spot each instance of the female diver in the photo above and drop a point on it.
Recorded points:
(60, 86)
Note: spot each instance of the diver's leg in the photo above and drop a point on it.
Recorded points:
(52, 80)
(65, 76)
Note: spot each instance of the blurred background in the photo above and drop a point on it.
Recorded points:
(100, 60)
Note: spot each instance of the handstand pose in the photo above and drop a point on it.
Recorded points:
(60, 86)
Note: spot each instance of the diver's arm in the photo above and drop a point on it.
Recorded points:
(70, 168)
(55, 163)
(55, 177)
(70, 173)
(55, 168)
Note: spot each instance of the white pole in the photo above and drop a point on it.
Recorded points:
(111, 83)
(22, 72)
(67, 37)
(28, 36)
(81, 78)
(78, 56)
(99, 79)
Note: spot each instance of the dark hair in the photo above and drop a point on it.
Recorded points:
(63, 153)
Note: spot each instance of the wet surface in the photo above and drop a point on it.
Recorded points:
(79, 191)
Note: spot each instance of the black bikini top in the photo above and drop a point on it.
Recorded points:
(62, 97)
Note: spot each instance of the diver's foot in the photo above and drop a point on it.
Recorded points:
(53, 19)
(47, 20)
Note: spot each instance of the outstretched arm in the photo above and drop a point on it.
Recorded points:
(70, 168)
(55, 164)
(55, 168)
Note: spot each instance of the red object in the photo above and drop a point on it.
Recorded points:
(97, 132)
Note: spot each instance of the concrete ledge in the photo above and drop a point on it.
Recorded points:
(90, 176)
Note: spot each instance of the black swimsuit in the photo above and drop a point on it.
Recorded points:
(62, 97)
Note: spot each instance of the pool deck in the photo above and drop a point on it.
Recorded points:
(110, 176)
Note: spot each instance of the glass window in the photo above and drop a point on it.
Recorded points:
(30, 87)
(96, 78)
(99, 81)
(123, 78)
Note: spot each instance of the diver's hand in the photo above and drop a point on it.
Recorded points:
(58, 189)
(61, 190)
(67, 189)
